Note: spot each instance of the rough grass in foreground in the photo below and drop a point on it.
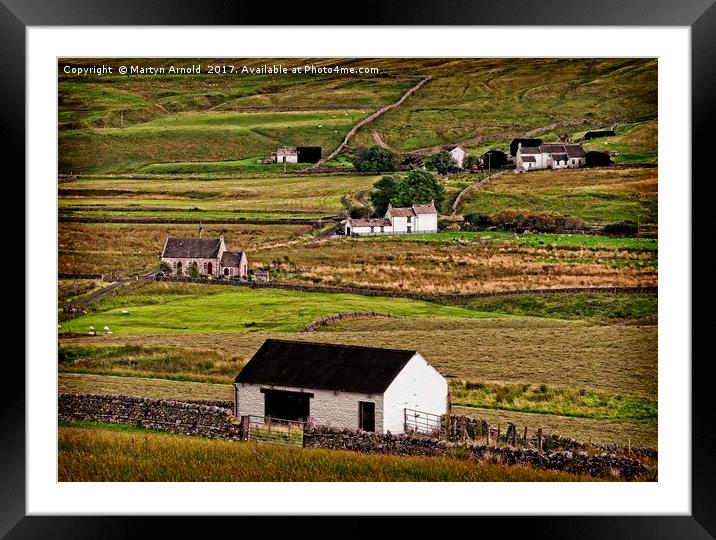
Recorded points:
(111, 454)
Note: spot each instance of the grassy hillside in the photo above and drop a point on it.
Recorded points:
(117, 124)
(593, 195)
(98, 453)
(470, 98)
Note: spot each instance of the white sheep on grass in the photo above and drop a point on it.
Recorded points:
(125, 312)
(106, 328)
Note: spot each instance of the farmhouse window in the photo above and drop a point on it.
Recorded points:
(382, 229)
(371, 229)
(409, 218)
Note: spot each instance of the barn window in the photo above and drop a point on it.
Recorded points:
(371, 229)
(382, 229)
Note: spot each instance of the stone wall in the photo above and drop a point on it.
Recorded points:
(163, 415)
(598, 465)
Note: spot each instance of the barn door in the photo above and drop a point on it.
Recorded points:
(366, 415)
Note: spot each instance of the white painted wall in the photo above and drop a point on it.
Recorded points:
(426, 223)
(418, 386)
(328, 408)
(458, 154)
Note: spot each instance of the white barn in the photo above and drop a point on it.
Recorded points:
(417, 219)
(285, 154)
(458, 153)
(339, 386)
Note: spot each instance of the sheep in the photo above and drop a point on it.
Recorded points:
(106, 328)
(109, 333)
(125, 312)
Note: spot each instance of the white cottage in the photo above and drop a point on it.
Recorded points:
(550, 156)
(340, 386)
(417, 219)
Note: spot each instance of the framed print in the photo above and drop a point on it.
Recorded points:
(424, 260)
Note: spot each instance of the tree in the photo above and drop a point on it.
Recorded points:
(165, 267)
(442, 162)
(419, 187)
(193, 270)
(373, 159)
(385, 191)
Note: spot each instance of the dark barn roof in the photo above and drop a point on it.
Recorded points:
(348, 368)
(231, 258)
(200, 248)
(595, 134)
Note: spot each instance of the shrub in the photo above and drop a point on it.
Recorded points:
(360, 212)
(521, 220)
(626, 228)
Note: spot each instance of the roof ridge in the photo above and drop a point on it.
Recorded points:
(346, 345)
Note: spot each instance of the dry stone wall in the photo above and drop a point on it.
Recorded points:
(160, 414)
(598, 465)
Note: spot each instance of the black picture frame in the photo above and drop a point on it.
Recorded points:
(699, 15)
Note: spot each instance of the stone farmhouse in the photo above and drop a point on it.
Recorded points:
(416, 219)
(208, 255)
(339, 386)
(550, 156)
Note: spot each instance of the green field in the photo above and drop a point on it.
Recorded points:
(108, 453)
(187, 308)
(290, 193)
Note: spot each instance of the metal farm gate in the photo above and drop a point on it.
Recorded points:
(275, 430)
(424, 422)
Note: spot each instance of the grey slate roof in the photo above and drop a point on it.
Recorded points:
(348, 368)
(529, 159)
(401, 212)
(551, 148)
(377, 222)
(575, 151)
(231, 259)
(525, 150)
(199, 248)
(425, 208)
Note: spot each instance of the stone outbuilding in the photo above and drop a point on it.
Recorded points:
(208, 255)
(340, 386)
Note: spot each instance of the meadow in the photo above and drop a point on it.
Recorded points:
(618, 359)
(160, 307)
(597, 196)
(318, 194)
(105, 453)
(467, 263)
(130, 249)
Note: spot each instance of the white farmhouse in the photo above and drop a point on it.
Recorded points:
(285, 155)
(457, 152)
(339, 386)
(550, 156)
(416, 219)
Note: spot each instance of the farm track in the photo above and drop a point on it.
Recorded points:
(106, 291)
(370, 118)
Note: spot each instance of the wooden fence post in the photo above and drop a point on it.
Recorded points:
(498, 435)
(245, 428)
(539, 440)
(524, 439)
